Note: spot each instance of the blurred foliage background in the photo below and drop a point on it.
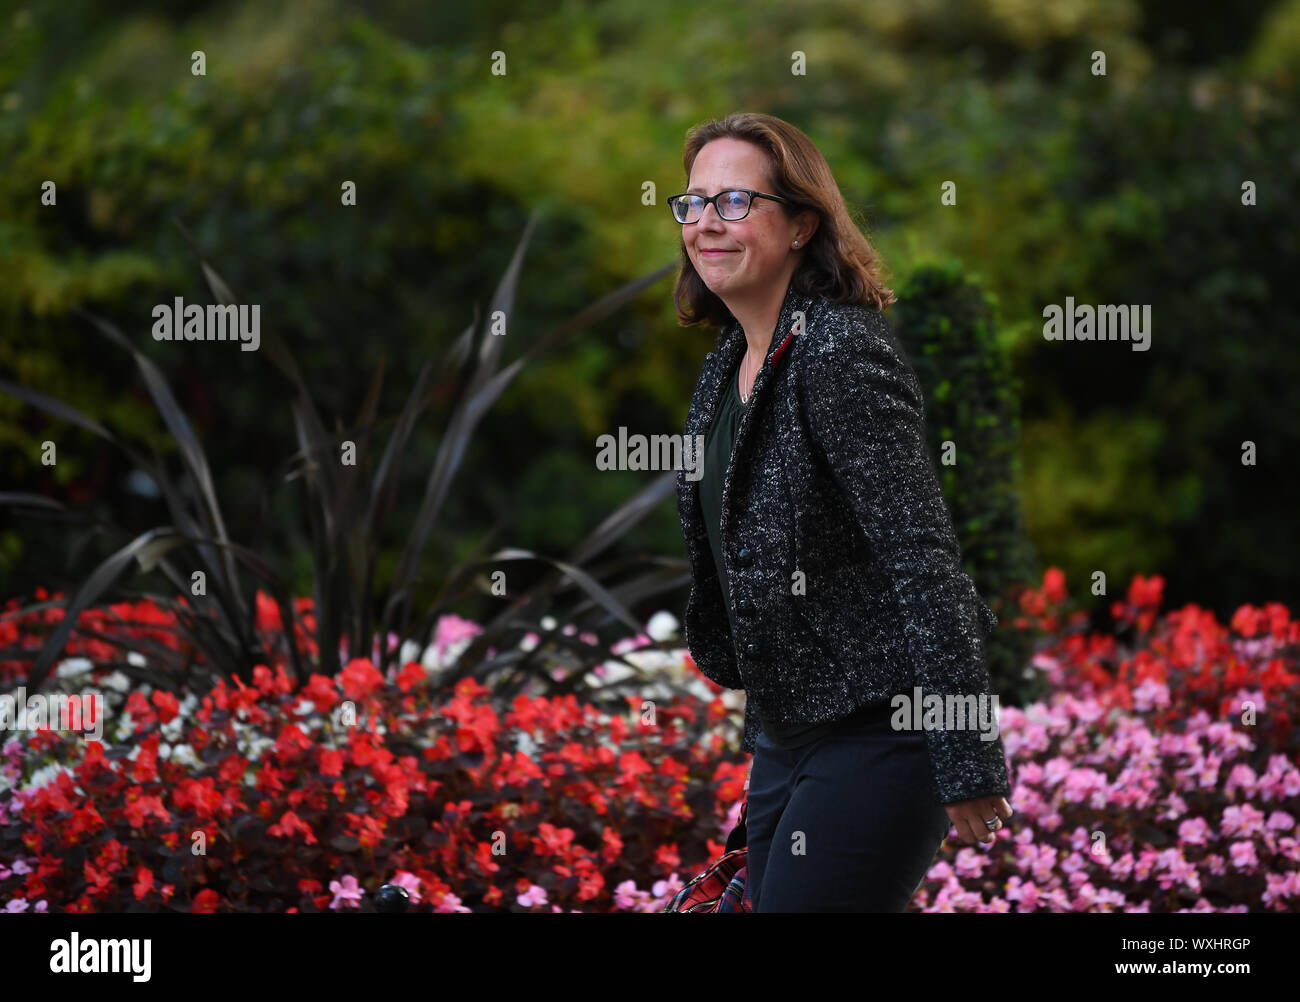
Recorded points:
(1122, 188)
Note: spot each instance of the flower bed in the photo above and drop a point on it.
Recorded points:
(1142, 783)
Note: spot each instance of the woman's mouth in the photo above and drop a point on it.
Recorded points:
(715, 253)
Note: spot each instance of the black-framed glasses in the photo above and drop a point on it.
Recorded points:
(732, 204)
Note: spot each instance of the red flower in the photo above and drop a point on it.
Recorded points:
(168, 705)
(289, 825)
(268, 613)
(206, 901)
(411, 675)
(143, 881)
(141, 713)
(84, 819)
(292, 740)
(554, 841)
(321, 690)
(360, 678)
(666, 856)
(331, 762)
(97, 879)
(1054, 585)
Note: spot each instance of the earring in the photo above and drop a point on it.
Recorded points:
(796, 243)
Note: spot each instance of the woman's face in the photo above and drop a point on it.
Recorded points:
(758, 247)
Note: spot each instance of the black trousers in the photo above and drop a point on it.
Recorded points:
(847, 823)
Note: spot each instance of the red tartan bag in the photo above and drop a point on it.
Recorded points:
(721, 887)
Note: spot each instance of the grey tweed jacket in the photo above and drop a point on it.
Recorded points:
(846, 576)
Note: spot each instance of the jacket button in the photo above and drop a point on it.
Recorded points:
(745, 557)
(746, 608)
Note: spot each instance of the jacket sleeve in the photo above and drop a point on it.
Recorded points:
(866, 414)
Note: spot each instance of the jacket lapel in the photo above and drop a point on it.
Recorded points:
(719, 366)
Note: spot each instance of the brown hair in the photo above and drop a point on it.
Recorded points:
(839, 264)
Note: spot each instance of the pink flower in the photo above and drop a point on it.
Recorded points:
(1194, 831)
(1024, 894)
(1082, 782)
(626, 896)
(1207, 772)
(626, 644)
(1281, 885)
(1242, 820)
(1150, 693)
(1045, 864)
(533, 897)
(450, 903)
(1084, 897)
(452, 629)
(1108, 898)
(409, 881)
(1175, 808)
(663, 889)
(1242, 776)
(1080, 839)
(1280, 821)
(1056, 770)
(1243, 855)
(1029, 773)
(1175, 869)
(347, 890)
(969, 862)
(942, 870)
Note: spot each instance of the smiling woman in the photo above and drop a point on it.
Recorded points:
(826, 577)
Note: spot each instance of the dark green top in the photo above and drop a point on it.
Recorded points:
(717, 451)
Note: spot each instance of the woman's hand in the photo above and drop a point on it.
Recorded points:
(968, 817)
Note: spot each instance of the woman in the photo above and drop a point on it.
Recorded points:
(826, 577)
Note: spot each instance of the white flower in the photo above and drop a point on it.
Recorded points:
(45, 774)
(615, 671)
(172, 730)
(409, 651)
(116, 681)
(72, 667)
(135, 658)
(525, 744)
(184, 754)
(256, 746)
(662, 626)
(125, 726)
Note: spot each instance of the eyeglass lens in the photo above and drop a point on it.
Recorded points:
(731, 205)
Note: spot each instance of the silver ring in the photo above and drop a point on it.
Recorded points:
(994, 824)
